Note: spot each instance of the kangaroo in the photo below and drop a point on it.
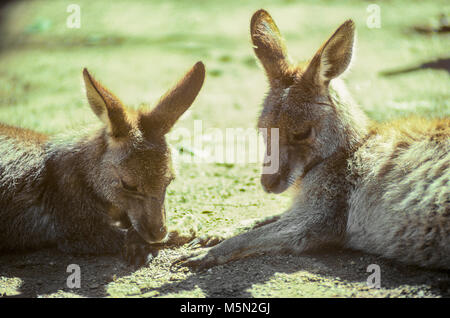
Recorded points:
(73, 193)
(379, 188)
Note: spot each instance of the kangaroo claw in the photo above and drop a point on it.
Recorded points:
(205, 241)
(138, 255)
(137, 252)
(198, 261)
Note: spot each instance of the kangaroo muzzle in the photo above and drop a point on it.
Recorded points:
(276, 182)
(150, 221)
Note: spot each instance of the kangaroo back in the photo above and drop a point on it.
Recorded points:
(21, 166)
(400, 207)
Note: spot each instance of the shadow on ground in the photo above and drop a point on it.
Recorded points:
(45, 273)
(329, 273)
(437, 64)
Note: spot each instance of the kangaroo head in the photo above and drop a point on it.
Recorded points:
(299, 104)
(135, 167)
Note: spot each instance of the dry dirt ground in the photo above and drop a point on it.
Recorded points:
(328, 273)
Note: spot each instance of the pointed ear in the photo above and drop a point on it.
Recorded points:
(174, 103)
(268, 45)
(335, 55)
(106, 106)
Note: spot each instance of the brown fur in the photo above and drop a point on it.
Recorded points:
(379, 188)
(72, 193)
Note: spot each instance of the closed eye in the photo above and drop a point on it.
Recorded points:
(302, 135)
(324, 104)
(129, 187)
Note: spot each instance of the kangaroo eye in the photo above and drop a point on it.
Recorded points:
(299, 136)
(129, 187)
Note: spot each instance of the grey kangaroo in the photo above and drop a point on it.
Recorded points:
(73, 194)
(379, 188)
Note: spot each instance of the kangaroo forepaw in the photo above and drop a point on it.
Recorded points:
(205, 241)
(139, 255)
(137, 252)
(198, 261)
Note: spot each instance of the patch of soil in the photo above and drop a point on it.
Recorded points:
(329, 273)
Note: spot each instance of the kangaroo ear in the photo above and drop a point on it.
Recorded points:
(268, 45)
(174, 103)
(335, 55)
(106, 106)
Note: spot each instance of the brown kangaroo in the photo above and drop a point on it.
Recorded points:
(379, 188)
(74, 193)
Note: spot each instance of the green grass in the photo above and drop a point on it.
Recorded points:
(139, 48)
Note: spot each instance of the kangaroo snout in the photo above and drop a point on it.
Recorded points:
(157, 234)
(149, 219)
(152, 233)
(273, 183)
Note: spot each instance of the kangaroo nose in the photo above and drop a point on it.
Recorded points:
(162, 233)
(269, 182)
(159, 234)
